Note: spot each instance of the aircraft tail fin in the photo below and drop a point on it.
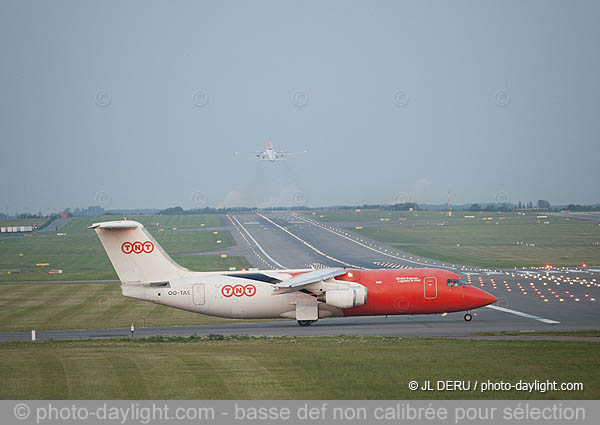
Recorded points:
(135, 255)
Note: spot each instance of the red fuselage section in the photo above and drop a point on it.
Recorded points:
(414, 291)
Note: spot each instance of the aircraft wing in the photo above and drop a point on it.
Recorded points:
(284, 154)
(255, 154)
(297, 282)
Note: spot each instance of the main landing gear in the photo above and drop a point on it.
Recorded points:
(306, 322)
(468, 317)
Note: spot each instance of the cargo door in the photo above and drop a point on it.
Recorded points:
(430, 288)
(198, 294)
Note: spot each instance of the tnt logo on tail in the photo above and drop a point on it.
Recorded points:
(137, 247)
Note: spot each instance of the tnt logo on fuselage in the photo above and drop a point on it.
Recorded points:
(238, 290)
(137, 247)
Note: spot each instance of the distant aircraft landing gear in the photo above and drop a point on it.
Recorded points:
(468, 317)
(306, 322)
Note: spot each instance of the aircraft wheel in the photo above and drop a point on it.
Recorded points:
(306, 322)
(468, 317)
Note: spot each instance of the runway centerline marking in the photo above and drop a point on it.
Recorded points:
(258, 245)
(372, 249)
(526, 315)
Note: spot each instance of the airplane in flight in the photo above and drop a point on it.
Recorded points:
(148, 273)
(270, 154)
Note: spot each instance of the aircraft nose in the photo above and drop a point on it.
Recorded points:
(481, 298)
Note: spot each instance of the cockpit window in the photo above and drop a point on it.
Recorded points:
(454, 282)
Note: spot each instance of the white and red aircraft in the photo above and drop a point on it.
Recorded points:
(270, 154)
(148, 273)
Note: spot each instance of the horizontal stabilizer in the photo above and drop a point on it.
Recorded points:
(116, 225)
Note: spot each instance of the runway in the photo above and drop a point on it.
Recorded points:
(528, 300)
(568, 296)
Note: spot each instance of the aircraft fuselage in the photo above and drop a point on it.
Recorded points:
(248, 295)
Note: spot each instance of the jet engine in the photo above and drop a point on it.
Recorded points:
(346, 298)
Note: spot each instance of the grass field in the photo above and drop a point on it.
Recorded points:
(288, 368)
(375, 215)
(26, 306)
(511, 241)
(584, 333)
(81, 256)
(193, 221)
(38, 222)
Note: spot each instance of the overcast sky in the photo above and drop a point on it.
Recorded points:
(143, 104)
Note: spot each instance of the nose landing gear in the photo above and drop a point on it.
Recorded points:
(468, 317)
(306, 322)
